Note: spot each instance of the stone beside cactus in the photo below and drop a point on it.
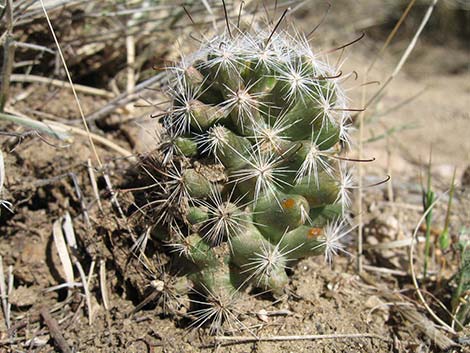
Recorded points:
(248, 177)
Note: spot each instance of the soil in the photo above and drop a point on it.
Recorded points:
(46, 178)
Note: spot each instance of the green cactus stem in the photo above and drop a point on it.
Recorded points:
(257, 125)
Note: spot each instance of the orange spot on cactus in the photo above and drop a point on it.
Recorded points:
(288, 203)
(314, 232)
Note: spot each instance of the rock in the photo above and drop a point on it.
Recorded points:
(377, 306)
(23, 296)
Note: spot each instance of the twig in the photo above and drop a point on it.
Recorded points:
(123, 98)
(388, 271)
(54, 329)
(99, 139)
(59, 83)
(249, 339)
(281, 312)
(34, 47)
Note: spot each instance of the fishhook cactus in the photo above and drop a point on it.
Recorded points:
(248, 175)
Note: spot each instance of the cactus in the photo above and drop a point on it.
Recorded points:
(248, 176)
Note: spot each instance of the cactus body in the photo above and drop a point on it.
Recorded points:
(255, 125)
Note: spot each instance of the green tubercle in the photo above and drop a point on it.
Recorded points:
(275, 216)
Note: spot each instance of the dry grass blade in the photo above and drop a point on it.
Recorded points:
(359, 249)
(39, 126)
(63, 285)
(86, 290)
(131, 56)
(103, 285)
(71, 240)
(405, 55)
(7, 204)
(392, 34)
(394, 244)
(34, 47)
(8, 44)
(9, 293)
(61, 247)
(82, 115)
(211, 13)
(4, 295)
(94, 184)
(90, 272)
(412, 268)
(385, 270)
(69, 232)
(2, 171)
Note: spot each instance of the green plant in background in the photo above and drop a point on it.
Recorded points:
(428, 198)
(460, 297)
(248, 177)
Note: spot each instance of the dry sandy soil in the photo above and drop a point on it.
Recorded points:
(381, 307)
